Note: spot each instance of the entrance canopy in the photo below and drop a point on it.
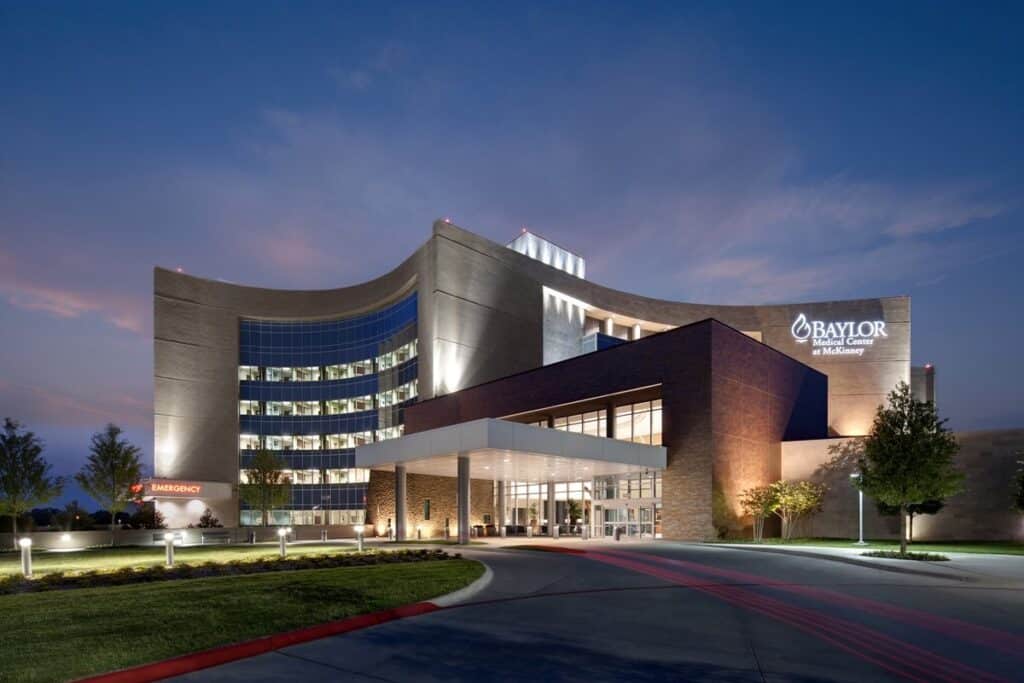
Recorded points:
(510, 451)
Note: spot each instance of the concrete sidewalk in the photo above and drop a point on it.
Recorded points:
(976, 567)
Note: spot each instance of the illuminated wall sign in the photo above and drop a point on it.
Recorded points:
(846, 338)
(170, 488)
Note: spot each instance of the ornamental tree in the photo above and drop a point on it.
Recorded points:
(111, 473)
(795, 500)
(266, 485)
(908, 456)
(758, 502)
(25, 479)
(208, 521)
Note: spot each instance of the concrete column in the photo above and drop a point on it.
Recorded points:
(462, 498)
(551, 509)
(636, 331)
(609, 327)
(499, 507)
(400, 502)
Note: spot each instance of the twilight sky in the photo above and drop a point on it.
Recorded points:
(729, 154)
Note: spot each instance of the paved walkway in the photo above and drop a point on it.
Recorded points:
(667, 611)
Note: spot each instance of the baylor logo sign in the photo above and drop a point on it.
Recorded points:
(845, 338)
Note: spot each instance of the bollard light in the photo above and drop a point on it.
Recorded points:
(26, 557)
(860, 508)
(282, 534)
(359, 529)
(169, 548)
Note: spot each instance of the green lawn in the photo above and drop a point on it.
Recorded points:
(114, 558)
(60, 635)
(992, 547)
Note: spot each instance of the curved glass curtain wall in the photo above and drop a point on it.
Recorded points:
(310, 391)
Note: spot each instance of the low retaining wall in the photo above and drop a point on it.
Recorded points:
(72, 540)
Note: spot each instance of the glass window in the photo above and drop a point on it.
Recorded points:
(390, 432)
(248, 442)
(310, 374)
(399, 394)
(307, 407)
(350, 440)
(593, 423)
(398, 356)
(280, 443)
(307, 443)
(639, 422)
(248, 373)
(346, 370)
(248, 407)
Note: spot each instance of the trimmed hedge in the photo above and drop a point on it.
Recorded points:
(130, 575)
(895, 555)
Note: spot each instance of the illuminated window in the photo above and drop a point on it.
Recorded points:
(398, 356)
(349, 405)
(307, 407)
(593, 423)
(399, 394)
(350, 440)
(248, 373)
(307, 443)
(390, 433)
(639, 422)
(280, 443)
(346, 370)
(248, 407)
(311, 374)
(248, 442)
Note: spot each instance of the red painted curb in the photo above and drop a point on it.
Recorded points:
(250, 648)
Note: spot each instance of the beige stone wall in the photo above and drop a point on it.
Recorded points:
(981, 512)
(380, 502)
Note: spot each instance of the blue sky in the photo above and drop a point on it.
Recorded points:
(733, 153)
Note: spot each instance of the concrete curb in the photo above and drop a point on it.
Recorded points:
(224, 654)
(464, 594)
(882, 566)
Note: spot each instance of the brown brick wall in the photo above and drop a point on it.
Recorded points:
(380, 502)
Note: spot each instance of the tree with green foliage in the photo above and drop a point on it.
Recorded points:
(908, 456)
(111, 473)
(208, 521)
(795, 500)
(266, 485)
(758, 502)
(25, 478)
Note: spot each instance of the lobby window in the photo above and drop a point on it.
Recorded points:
(593, 423)
(248, 407)
(248, 373)
(539, 423)
(390, 433)
(399, 394)
(248, 442)
(341, 406)
(639, 422)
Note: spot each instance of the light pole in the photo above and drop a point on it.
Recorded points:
(26, 557)
(282, 535)
(359, 528)
(169, 548)
(860, 507)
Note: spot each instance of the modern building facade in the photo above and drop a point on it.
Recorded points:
(338, 382)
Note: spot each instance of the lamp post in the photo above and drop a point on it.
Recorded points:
(169, 548)
(26, 557)
(282, 535)
(359, 528)
(860, 508)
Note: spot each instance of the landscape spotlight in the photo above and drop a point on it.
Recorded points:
(282, 534)
(26, 557)
(169, 548)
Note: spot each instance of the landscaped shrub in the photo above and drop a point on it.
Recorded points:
(897, 555)
(130, 575)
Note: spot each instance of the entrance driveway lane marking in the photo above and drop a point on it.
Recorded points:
(889, 653)
(1008, 643)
